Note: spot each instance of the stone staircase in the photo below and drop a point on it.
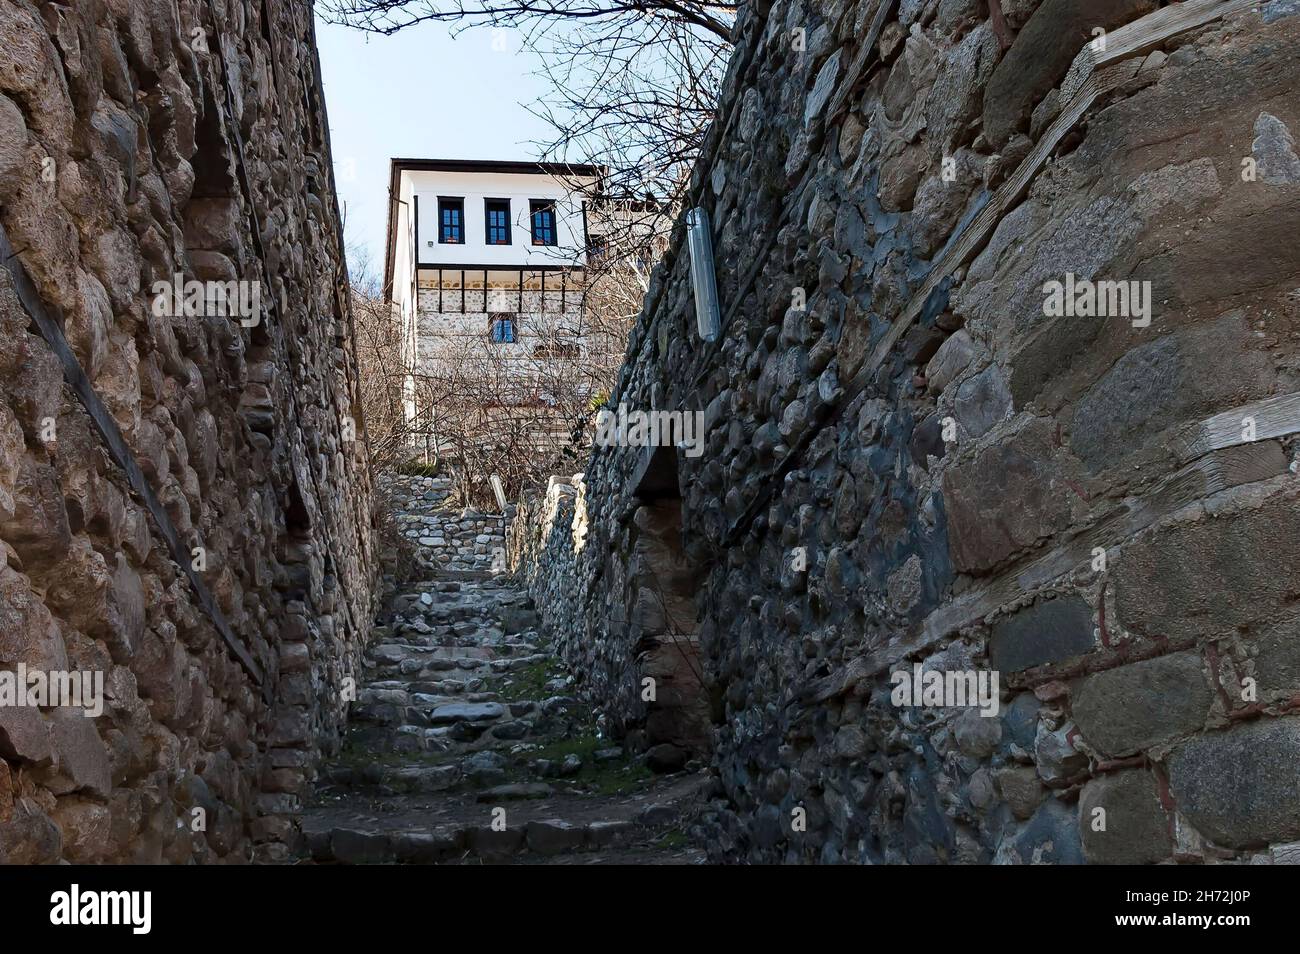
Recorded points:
(465, 746)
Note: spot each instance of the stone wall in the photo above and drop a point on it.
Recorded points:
(185, 499)
(909, 461)
(645, 627)
(545, 546)
(452, 539)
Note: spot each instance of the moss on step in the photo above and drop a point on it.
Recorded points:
(673, 839)
(609, 778)
(528, 682)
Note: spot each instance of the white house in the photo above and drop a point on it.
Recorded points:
(488, 252)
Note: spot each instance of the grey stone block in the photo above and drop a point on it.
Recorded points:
(553, 836)
(1241, 787)
(1136, 828)
(1051, 837)
(1050, 631)
(1125, 710)
(360, 847)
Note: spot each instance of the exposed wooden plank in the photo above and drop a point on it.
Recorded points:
(1209, 475)
(1218, 471)
(1272, 417)
(1105, 72)
(1144, 35)
(975, 235)
(120, 452)
(861, 61)
(1003, 200)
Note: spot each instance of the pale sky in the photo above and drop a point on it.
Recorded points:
(419, 93)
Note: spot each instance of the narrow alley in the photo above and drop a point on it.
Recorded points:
(805, 432)
(465, 746)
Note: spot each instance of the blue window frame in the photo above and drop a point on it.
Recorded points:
(542, 213)
(498, 221)
(503, 329)
(451, 221)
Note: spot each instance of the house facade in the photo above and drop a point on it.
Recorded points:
(485, 268)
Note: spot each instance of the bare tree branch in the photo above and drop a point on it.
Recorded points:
(389, 16)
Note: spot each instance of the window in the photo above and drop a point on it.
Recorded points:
(503, 329)
(498, 221)
(542, 213)
(451, 221)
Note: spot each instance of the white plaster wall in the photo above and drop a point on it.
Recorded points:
(475, 188)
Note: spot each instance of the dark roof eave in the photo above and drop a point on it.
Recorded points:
(398, 165)
(524, 167)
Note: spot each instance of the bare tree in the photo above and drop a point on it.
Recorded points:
(636, 95)
(382, 365)
(518, 411)
(633, 84)
(389, 16)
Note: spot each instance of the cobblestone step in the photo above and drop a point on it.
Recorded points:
(505, 826)
(465, 745)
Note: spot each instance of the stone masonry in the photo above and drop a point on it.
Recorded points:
(911, 461)
(185, 501)
(462, 540)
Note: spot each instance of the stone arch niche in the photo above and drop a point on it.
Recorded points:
(663, 619)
